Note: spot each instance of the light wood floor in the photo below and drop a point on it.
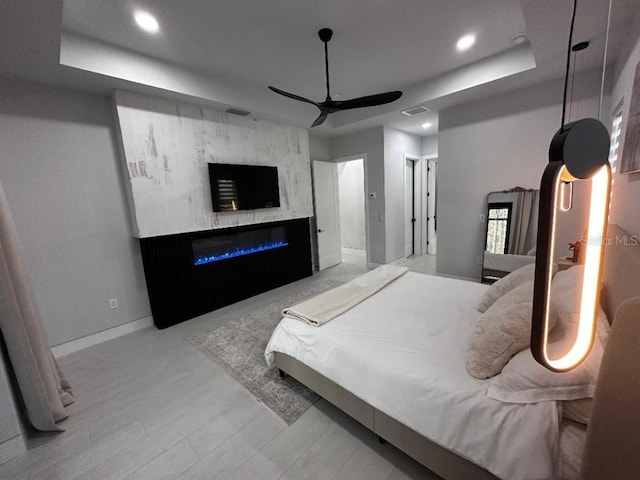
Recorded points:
(149, 406)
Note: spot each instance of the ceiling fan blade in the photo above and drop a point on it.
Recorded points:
(368, 101)
(292, 96)
(320, 120)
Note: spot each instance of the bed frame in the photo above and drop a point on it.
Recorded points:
(612, 445)
(621, 282)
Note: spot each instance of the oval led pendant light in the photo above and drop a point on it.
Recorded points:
(578, 153)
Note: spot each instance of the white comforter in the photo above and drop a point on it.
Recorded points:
(403, 352)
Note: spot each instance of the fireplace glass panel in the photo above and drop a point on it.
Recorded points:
(224, 247)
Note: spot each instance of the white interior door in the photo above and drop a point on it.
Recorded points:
(409, 218)
(432, 167)
(325, 187)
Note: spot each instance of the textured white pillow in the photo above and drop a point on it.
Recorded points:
(523, 380)
(501, 332)
(505, 285)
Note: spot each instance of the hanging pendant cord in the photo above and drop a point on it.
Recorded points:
(326, 67)
(573, 79)
(566, 73)
(604, 60)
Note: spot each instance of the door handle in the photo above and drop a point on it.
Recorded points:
(320, 230)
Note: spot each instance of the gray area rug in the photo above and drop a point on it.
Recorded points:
(239, 345)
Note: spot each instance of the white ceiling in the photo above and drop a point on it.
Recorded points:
(377, 46)
(225, 53)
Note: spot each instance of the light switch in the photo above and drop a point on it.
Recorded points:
(481, 218)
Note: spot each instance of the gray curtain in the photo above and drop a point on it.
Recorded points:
(525, 206)
(43, 389)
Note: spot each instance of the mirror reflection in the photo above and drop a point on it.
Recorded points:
(511, 231)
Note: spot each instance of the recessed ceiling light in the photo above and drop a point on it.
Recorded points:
(426, 125)
(465, 42)
(146, 21)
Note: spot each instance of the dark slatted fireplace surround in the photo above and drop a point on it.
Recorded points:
(194, 273)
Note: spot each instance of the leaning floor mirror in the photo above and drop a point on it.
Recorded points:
(511, 231)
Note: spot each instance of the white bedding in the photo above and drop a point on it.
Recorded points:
(572, 437)
(328, 305)
(403, 352)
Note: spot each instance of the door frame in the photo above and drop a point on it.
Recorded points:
(418, 164)
(363, 157)
(425, 205)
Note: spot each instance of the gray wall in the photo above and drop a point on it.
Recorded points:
(319, 148)
(371, 143)
(385, 149)
(626, 188)
(496, 144)
(63, 180)
(396, 145)
(430, 145)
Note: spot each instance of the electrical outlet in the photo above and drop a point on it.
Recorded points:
(481, 218)
(113, 303)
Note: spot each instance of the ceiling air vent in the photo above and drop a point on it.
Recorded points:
(410, 112)
(237, 111)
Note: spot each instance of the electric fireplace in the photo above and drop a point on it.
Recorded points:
(223, 247)
(191, 274)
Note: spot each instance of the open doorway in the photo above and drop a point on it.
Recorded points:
(420, 219)
(351, 193)
(340, 211)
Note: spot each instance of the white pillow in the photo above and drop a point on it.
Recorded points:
(505, 285)
(501, 332)
(523, 380)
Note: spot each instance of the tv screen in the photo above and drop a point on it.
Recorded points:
(243, 187)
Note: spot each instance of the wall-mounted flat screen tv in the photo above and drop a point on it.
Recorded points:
(243, 187)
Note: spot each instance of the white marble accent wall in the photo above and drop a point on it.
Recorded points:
(166, 148)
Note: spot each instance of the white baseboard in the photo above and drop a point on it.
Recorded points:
(11, 448)
(99, 337)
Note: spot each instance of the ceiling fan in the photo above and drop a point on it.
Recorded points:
(330, 106)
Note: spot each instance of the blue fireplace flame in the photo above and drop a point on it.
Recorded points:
(204, 259)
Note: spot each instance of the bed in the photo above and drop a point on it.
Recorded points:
(365, 363)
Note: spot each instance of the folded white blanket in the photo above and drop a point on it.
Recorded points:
(328, 305)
